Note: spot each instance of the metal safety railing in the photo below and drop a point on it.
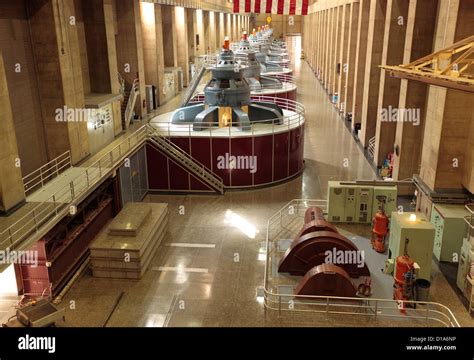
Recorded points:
(58, 203)
(46, 173)
(292, 119)
(288, 83)
(185, 159)
(121, 82)
(469, 219)
(371, 147)
(282, 226)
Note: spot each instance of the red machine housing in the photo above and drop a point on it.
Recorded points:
(379, 231)
(307, 256)
(326, 280)
(314, 221)
(310, 251)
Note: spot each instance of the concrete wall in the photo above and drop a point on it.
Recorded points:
(20, 70)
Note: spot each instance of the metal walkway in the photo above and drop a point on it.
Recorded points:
(56, 198)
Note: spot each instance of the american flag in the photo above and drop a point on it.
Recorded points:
(286, 7)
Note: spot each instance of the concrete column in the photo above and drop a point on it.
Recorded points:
(228, 25)
(335, 49)
(59, 71)
(191, 28)
(318, 44)
(110, 31)
(324, 16)
(375, 36)
(392, 53)
(170, 46)
(409, 135)
(130, 48)
(328, 46)
(468, 168)
(449, 112)
(361, 53)
(209, 37)
(233, 27)
(202, 46)
(181, 31)
(349, 68)
(343, 51)
(11, 182)
(153, 57)
(98, 30)
(218, 22)
(222, 30)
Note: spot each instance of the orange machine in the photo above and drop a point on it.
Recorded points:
(379, 231)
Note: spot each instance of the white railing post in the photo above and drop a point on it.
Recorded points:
(71, 186)
(34, 219)
(54, 204)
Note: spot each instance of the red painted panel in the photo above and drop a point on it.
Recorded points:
(292, 95)
(281, 156)
(201, 150)
(263, 150)
(220, 147)
(241, 148)
(157, 169)
(295, 154)
(179, 178)
(198, 185)
(301, 158)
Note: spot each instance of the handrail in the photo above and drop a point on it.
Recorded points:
(121, 81)
(288, 84)
(47, 172)
(366, 307)
(469, 220)
(371, 147)
(59, 202)
(186, 159)
(292, 119)
(134, 91)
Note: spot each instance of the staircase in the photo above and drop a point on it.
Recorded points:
(129, 99)
(184, 160)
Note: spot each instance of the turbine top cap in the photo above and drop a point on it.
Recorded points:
(226, 45)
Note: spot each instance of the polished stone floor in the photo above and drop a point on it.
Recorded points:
(208, 268)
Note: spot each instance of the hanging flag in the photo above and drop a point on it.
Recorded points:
(285, 7)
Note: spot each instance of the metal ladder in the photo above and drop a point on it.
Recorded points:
(185, 160)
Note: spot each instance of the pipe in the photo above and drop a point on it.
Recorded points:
(69, 284)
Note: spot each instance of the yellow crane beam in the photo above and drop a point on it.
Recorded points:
(451, 67)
